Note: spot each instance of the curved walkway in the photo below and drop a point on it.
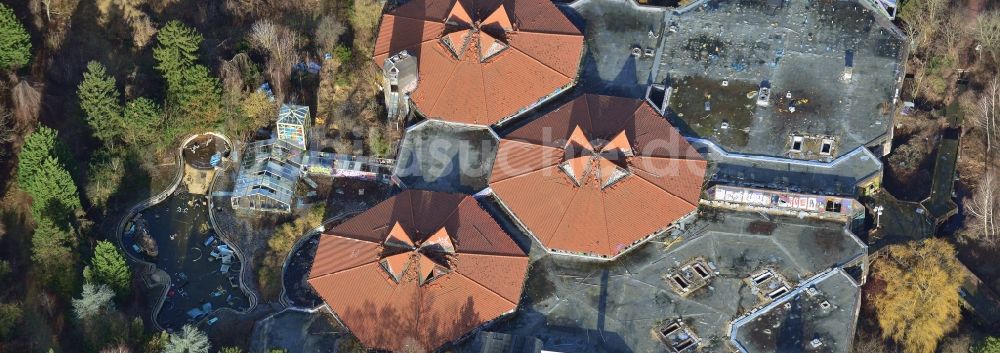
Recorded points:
(151, 268)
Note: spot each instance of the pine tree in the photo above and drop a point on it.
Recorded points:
(15, 44)
(99, 99)
(53, 250)
(110, 267)
(94, 300)
(177, 50)
(143, 117)
(53, 193)
(37, 146)
(42, 173)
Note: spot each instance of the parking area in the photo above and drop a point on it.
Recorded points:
(176, 237)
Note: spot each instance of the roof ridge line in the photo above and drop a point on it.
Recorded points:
(540, 61)
(525, 174)
(458, 271)
(607, 232)
(343, 270)
(528, 171)
(550, 33)
(451, 76)
(417, 44)
(664, 190)
(562, 218)
(488, 254)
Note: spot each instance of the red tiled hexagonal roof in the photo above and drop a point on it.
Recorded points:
(475, 56)
(421, 268)
(597, 174)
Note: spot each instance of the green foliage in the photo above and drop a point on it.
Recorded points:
(343, 53)
(277, 350)
(53, 250)
(231, 350)
(4, 269)
(278, 247)
(110, 267)
(188, 340)
(93, 301)
(15, 44)
(194, 96)
(177, 50)
(105, 174)
(143, 121)
(10, 317)
(157, 343)
(99, 99)
(43, 175)
(377, 144)
(989, 345)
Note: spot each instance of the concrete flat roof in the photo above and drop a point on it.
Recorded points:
(449, 157)
(795, 46)
(819, 317)
(838, 177)
(575, 305)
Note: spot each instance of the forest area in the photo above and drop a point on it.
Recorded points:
(912, 302)
(94, 97)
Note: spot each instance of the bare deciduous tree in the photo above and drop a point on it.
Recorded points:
(988, 33)
(988, 108)
(27, 103)
(983, 208)
(280, 44)
(328, 32)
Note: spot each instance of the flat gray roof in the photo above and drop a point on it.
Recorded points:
(576, 305)
(801, 47)
(820, 317)
(449, 157)
(839, 177)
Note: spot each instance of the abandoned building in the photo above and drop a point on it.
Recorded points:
(466, 61)
(793, 79)
(269, 172)
(418, 270)
(597, 175)
(729, 281)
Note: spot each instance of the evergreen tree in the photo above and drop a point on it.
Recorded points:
(53, 193)
(94, 300)
(143, 121)
(42, 174)
(177, 50)
(15, 44)
(99, 99)
(53, 250)
(38, 146)
(110, 267)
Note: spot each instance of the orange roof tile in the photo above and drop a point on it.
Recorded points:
(637, 175)
(463, 270)
(478, 79)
